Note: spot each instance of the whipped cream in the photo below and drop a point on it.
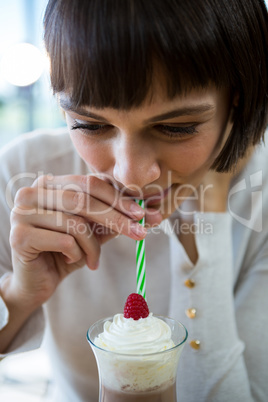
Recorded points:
(128, 336)
(128, 354)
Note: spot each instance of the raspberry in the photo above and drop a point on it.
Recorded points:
(136, 307)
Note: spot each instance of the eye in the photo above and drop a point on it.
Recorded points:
(90, 128)
(177, 131)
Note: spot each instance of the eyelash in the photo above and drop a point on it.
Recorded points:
(178, 131)
(92, 128)
(172, 132)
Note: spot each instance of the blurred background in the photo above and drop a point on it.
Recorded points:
(26, 103)
(26, 100)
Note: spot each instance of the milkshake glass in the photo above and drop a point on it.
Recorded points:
(138, 377)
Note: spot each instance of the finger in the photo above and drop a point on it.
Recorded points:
(73, 225)
(97, 187)
(153, 217)
(30, 200)
(29, 243)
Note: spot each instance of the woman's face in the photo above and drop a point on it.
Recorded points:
(159, 151)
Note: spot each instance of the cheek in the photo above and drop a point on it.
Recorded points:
(95, 156)
(192, 157)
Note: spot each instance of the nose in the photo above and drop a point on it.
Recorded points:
(135, 164)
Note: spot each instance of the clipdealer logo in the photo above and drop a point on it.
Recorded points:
(254, 186)
(250, 187)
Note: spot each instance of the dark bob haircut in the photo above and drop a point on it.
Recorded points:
(104, 53)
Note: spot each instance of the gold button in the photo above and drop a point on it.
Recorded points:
(195, 344)
(189, 283)
(190, 312)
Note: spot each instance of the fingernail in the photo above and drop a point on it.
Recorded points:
(96, 266)
(91, 266)
(136, 211)
(138, 230)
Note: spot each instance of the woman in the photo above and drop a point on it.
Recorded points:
(165, 101)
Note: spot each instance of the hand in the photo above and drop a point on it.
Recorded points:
(59, 224)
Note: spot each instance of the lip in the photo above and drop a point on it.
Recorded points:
(156, 198)
(151, 199)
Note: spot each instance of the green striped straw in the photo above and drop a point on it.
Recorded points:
(140, 260)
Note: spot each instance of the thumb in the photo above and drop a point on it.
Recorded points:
(152, 217)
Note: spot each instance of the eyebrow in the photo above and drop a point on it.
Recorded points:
(184, 111)
(67, 106)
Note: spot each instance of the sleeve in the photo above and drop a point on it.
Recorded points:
(214, 367)
(13, 174)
